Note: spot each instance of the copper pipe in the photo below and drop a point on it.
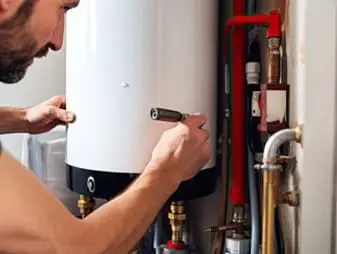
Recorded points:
(274, 61)
(222, 219)
(269, 183)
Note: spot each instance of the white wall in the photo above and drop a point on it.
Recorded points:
(45, 78)
(318, 183)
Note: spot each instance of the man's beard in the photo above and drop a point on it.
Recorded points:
(12, 74)
(14, 59)
(18, 62)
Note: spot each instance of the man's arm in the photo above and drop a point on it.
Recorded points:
(37, 119)
(12, 120)
(33, 221)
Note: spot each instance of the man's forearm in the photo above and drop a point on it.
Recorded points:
(12, 120)
(120, 224)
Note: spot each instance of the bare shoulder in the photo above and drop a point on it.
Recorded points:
(31, 213)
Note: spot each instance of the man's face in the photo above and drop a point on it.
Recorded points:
(28, 29)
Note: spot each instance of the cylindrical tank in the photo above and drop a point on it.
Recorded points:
(123, 58)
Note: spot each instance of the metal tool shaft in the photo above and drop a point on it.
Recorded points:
(166, 115)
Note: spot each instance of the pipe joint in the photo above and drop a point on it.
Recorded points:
(271, 167)
(274, 42)
(277, 140)
(298, 133)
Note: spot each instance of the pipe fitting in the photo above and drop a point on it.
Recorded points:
(298, 133)
(276, 141)
(274, 60)
(177, 219)
(86, 205)
(239, 214)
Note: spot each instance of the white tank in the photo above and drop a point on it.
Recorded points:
(125, 57)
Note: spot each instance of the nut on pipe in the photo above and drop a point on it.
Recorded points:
(298, 133)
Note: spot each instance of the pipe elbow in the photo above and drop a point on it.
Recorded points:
(274, 24)
(276, 141)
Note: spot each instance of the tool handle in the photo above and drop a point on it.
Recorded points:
(167, 115)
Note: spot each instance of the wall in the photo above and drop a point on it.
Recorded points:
(318, 183)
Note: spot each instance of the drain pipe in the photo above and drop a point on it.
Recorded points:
(271, 169)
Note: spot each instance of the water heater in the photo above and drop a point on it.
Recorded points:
(123, 58)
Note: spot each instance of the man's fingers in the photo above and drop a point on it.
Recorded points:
(57, 101)
(204, 134)
(196, 120)
(62, 115)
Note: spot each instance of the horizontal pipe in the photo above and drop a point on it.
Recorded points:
(272, 20)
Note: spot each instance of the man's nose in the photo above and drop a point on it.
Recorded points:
(57, 39)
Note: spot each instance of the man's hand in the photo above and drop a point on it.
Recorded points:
(182, 151)
(47, 115)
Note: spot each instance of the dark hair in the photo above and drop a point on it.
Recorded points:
(21, 16)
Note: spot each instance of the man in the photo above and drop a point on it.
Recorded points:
(32, 220)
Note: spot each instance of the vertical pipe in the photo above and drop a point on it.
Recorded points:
(254, 205)
(268, 212)
(157, 234)
(238, 110)
(251, 7)
(270, 179)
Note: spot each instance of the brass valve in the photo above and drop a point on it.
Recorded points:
(86, 205)
(177, 219)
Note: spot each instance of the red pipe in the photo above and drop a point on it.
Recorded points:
(273, 21)
(238, 194)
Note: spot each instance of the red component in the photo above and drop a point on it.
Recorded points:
(238, 195)
(273, 21)
(176, 246)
